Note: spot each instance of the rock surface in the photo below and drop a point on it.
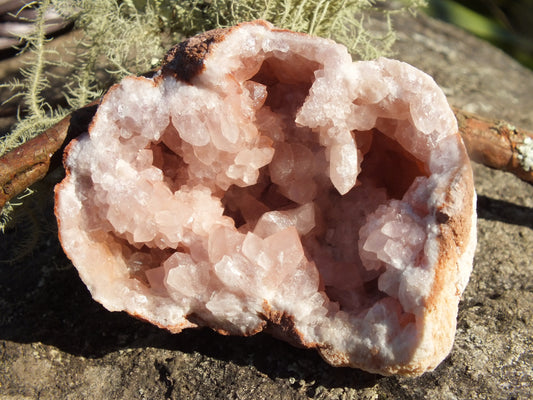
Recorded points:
(57, 343)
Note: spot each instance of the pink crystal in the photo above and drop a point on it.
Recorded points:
(261, 179)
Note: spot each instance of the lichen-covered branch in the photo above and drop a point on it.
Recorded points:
(497, 144)
(30, 162)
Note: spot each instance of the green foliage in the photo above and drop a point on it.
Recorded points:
(504, 23)
(130, 37)
(39, 115)
(342, 20)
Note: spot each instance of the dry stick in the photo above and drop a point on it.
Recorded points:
(31, 161)
(496, 144)
(491, 142)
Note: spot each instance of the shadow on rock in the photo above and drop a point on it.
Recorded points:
(504, 211)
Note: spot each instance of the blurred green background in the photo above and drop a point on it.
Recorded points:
(508, 24)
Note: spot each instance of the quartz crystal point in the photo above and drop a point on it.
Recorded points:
(261, 180)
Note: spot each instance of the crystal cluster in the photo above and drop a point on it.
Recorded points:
(261, 180)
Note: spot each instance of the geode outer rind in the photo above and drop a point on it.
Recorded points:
(261, 180)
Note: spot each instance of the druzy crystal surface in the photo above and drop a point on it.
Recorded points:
(261, 180)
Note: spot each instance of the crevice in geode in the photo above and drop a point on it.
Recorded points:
(246, 205)
(171, 164)
(388, 165)
(287, 87)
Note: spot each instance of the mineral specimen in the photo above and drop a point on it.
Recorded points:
(261, 180)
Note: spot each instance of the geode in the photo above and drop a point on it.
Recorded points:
(262, 181)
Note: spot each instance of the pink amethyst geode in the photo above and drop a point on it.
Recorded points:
(261, 180)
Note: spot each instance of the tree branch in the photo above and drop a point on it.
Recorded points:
(496, 144)
(30, 162)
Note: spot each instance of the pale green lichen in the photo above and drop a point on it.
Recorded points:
(28, 228)
(129, 37)
(38, 114)
(525, 154)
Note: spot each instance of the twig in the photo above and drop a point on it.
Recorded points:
(30, 162)
(496, 144)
